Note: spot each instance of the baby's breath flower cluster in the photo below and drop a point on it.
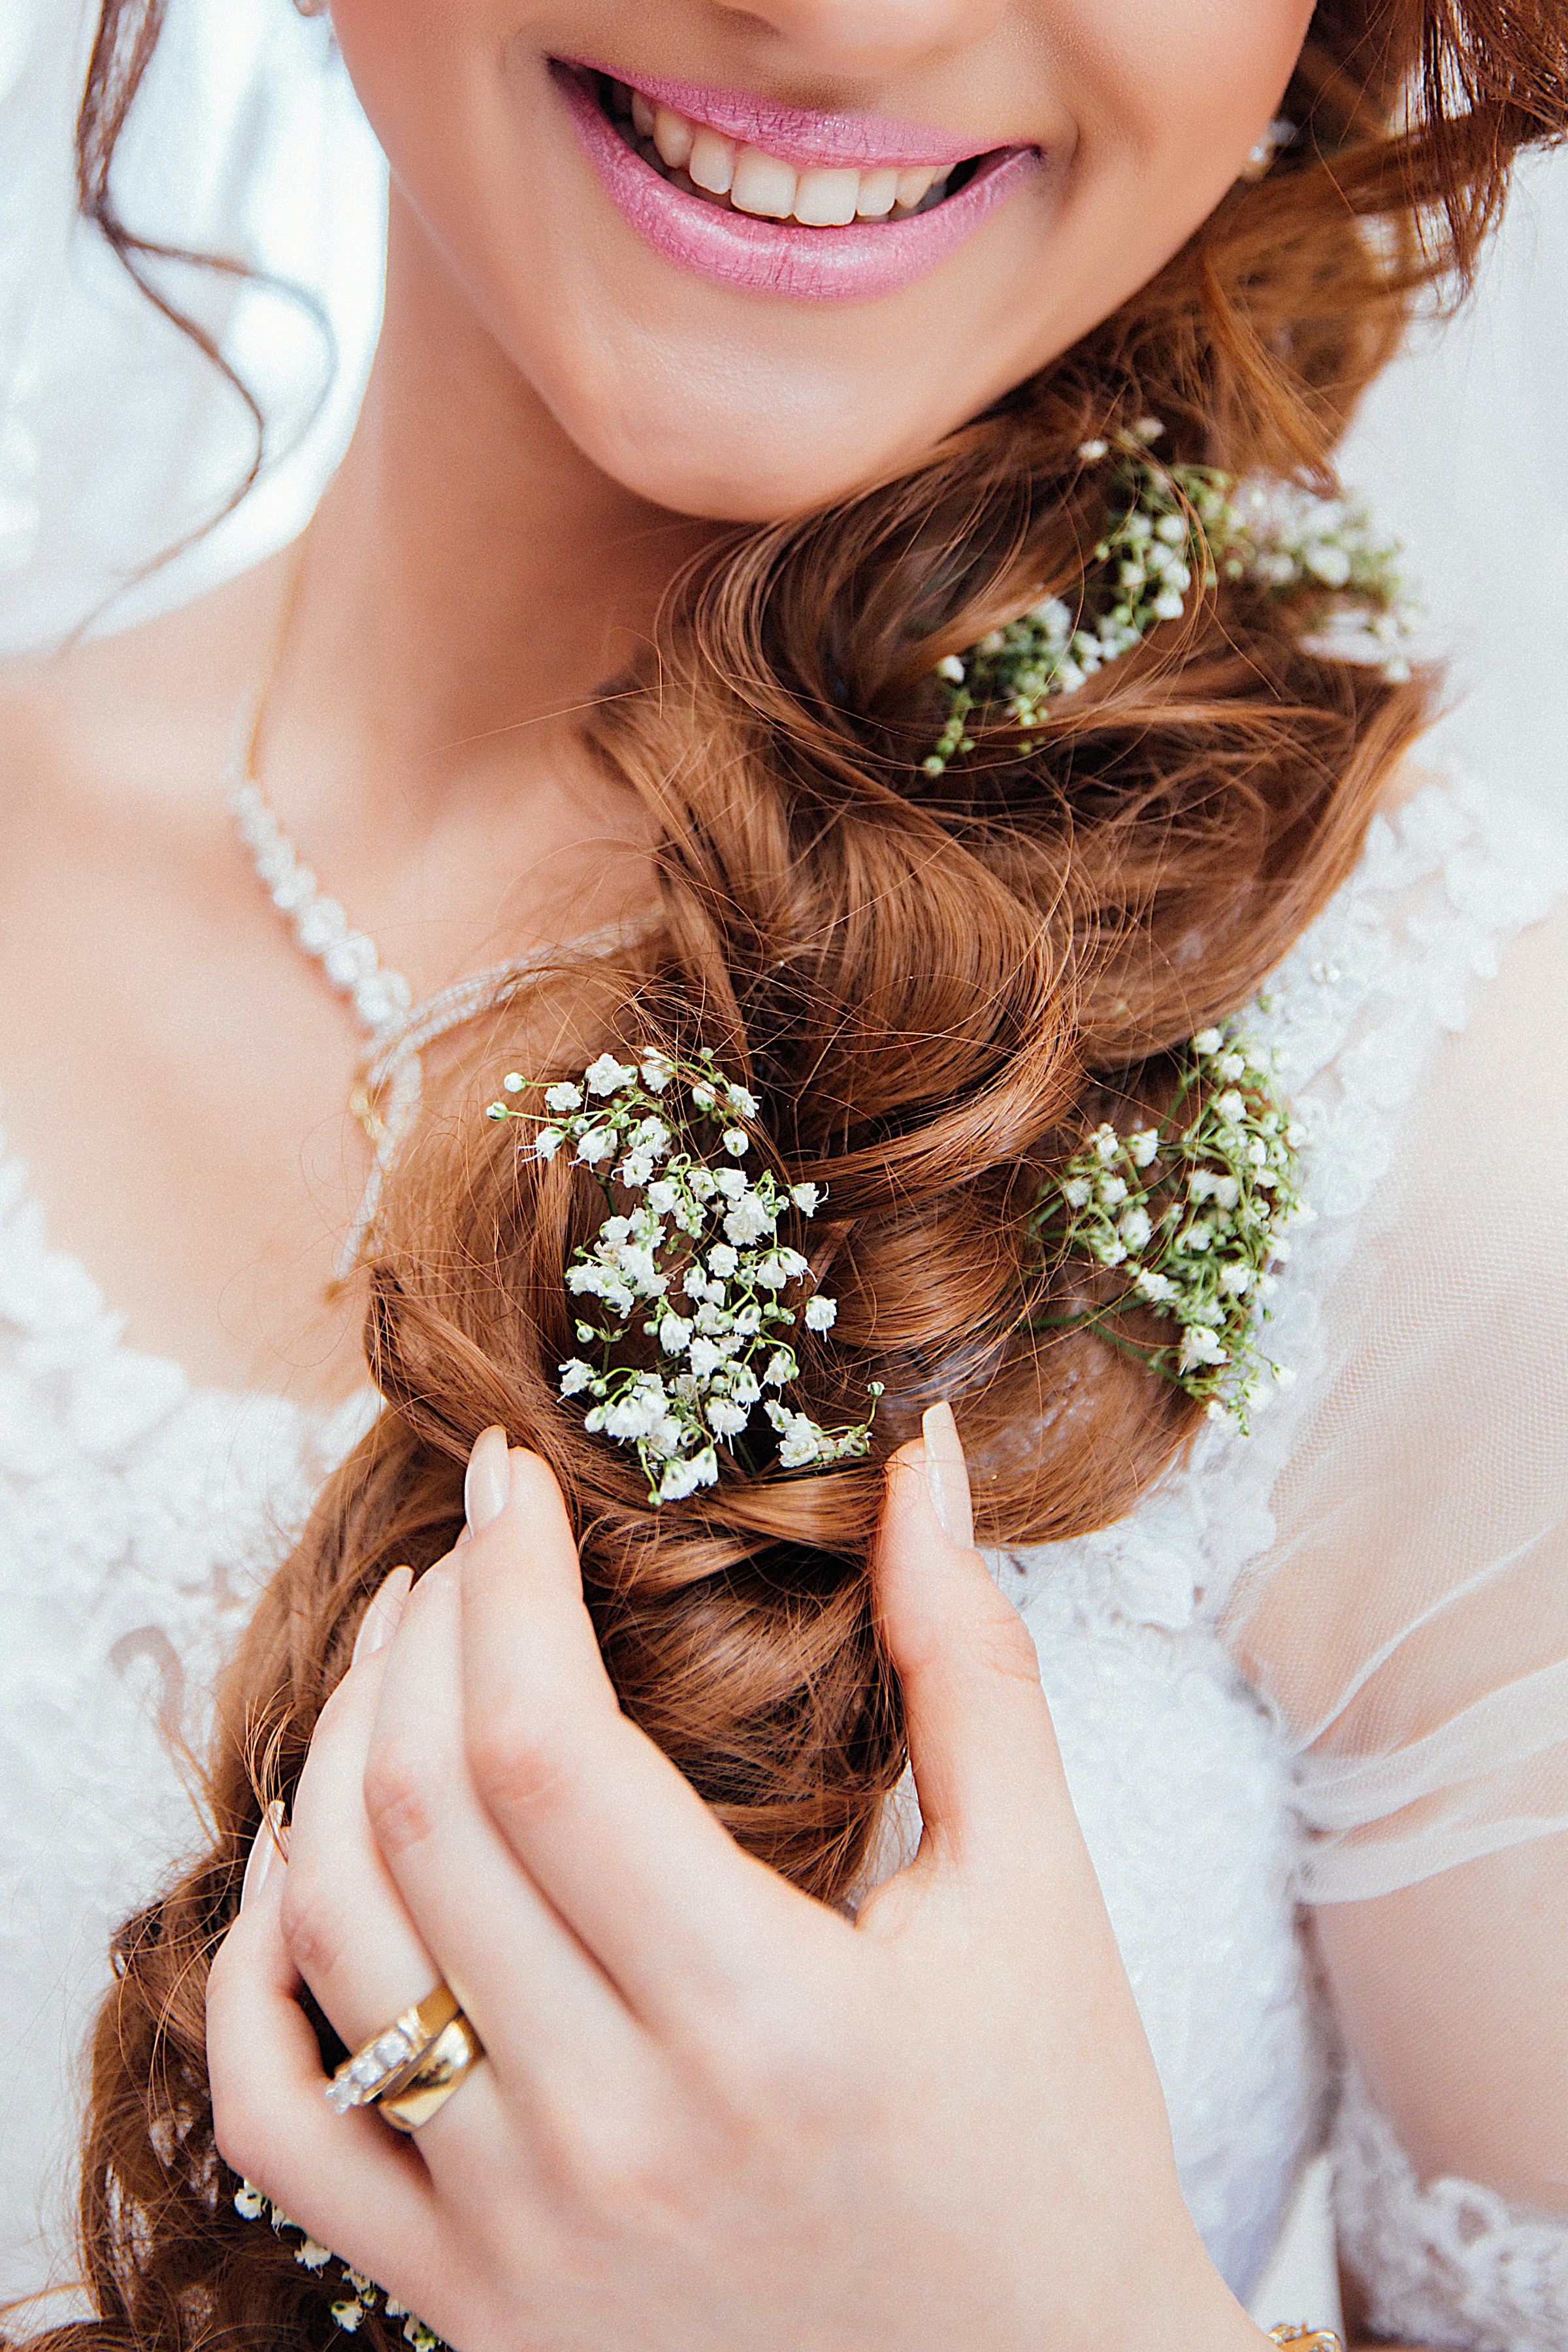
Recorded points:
(364, 2296)
(1192, 1217)
(1178, 525)
(696, 1265)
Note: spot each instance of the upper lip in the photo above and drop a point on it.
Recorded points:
(797, 134)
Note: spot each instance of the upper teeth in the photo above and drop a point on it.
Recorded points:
(821, 198)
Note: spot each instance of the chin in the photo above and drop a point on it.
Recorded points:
(753, 459)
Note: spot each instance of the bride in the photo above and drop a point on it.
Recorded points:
(834, 575)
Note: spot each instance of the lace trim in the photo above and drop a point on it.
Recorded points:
(1358, 1006)
(1449, 2263)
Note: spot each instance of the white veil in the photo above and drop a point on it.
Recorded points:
(116, 439)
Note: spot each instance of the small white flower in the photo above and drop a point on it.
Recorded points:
(1168, 606)
(1226, 1191)
(249, 2202)
(1232, 1065)
(683, 1478)
(1208, 1041)
(1143, 1146)
(636, 1414)
(662, 1196)
(725, 1417)
(514, 1082)
(313, 2255)
(807, 1198)
(737, 1143)
(1200, 1345)
(1197, 1237)
(674, 1334)
(637, 1167)
(1231, 1104)
(744, 1100)
(1330, 564)
(1237, 1279)
(821, 1314)
(562, 1098)
(748, 1221)
(1076, 1192)
(1107, 1143)
(801, 1443)
(1112, 1190)
(1110, 1253)
(1091, 452)
(952, 669)
(658, 1070)
(575, 1376)
(1284, 1376)
(1201, 1184)
(730, 1181)
(1152, 1286)
(1135, 1228)
(722, 1261)
(599, 1144)
(707, 1355)
(548, 1142)
(780, 1370)
(606, 1075)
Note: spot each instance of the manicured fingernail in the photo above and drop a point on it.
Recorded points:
(489, 1482)
(268, 1850)
(379, 1623)
(947, 1473)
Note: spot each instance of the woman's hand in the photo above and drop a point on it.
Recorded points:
(714, 2115)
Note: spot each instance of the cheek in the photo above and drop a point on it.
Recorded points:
(1175, 94)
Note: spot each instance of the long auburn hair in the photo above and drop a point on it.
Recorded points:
(932, 984)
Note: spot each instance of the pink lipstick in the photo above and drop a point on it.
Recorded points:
(848, 264)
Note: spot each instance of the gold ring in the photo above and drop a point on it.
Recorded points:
(455, 2049)
(390, 2058)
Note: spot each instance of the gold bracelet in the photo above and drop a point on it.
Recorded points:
(1306, 2340)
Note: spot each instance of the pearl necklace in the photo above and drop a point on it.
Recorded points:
(389, 1078)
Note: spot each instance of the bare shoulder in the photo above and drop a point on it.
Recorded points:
(134, 714)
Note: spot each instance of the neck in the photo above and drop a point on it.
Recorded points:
(470, 576)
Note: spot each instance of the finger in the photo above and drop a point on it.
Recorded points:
(542, 2006)
(346, 2180)
(617, 1839)
(982, 1747)
(347, 1928)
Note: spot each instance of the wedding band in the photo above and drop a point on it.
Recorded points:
(392, 2057)
(438, 2074)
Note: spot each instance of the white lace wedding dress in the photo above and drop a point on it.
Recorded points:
(1321, 1663)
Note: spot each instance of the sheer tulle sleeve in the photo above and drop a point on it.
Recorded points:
(1410, 1619)
(1403, 1604)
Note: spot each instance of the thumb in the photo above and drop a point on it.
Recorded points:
(983, 1754)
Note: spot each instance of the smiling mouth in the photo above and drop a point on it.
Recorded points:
(733, 176)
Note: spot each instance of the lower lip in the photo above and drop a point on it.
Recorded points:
(809, 265)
